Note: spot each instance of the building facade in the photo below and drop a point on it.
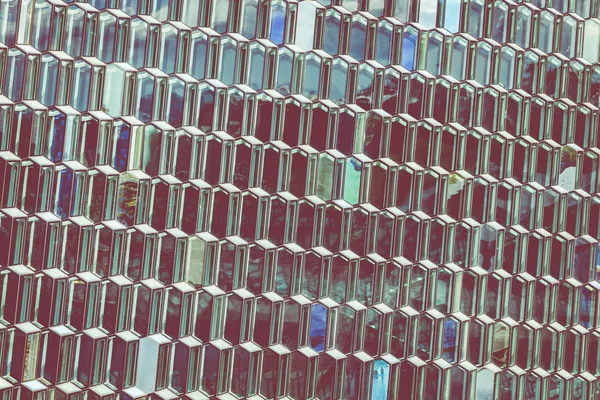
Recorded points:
(284, 199)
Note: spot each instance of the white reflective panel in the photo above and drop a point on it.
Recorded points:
(591, 41)
(428, 13)
(307, 12)
(149, 356)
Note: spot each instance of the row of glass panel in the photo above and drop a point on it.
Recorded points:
(180, 100)
(130, 200)
(526, 24)
(463, 382)
(541, 126)
(317, 274)
(328, 336)
(99, 193)
(296, 324)
(150, 94)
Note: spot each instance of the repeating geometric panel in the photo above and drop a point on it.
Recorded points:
(286, 199)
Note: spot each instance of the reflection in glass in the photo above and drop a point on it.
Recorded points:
(318, 324)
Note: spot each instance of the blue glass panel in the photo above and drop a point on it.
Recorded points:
(122, 148)
(358, 40)
(277, 24)
(449, 347)
(409, 45)
(58, 138)
(318, 324)
(381, 380)
(64, 193)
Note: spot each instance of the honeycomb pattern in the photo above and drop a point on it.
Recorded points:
(283, 199)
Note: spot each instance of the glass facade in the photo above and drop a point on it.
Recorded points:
(284, 199)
